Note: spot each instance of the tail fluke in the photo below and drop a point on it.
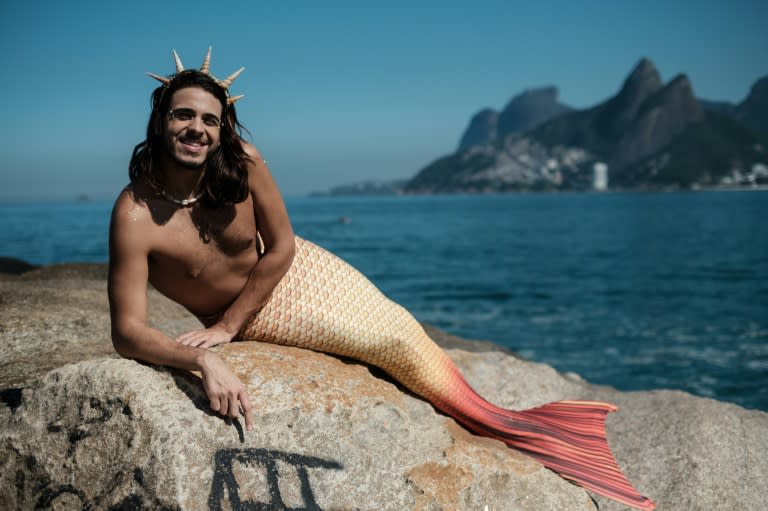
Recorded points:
(567, 437)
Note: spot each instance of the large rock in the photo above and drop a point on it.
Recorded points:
(107, 433)
(328, 435)
(59, 314)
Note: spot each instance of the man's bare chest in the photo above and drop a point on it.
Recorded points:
(194, 243)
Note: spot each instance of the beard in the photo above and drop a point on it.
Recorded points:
(192, 164)
(187, 164)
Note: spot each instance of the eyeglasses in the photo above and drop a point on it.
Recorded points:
(187, 115)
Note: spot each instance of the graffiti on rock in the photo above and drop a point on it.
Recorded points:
(272, 468)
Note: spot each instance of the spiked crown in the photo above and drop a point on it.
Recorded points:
(225, 83)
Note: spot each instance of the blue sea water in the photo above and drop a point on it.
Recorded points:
(633, 290)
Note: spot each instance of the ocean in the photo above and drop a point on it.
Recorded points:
(634, 290)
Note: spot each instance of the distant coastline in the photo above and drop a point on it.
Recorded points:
(650, 135)
(338, 191)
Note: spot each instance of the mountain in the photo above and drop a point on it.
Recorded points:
(643, 117)
(522, 113)
(482, 129)
(659, 119)
(753, 111)
(718, 150)
(530, 109)
(514, 164)
(647, 135)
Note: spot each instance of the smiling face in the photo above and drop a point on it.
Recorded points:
(192, 126)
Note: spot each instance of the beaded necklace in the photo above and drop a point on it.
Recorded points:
(181, 202)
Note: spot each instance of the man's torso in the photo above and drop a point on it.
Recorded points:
(201, 257)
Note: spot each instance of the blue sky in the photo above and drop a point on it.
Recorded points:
(336, 92)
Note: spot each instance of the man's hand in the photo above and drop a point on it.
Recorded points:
(225, 391)
(211, 336)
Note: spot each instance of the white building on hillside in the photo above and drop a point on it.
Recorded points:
(600, 176)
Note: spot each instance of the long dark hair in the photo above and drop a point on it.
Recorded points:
(226, 170)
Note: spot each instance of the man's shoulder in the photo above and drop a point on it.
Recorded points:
(250, 150)
(133, 228)
(131, 205)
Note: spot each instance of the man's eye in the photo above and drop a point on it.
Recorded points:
(184, 115)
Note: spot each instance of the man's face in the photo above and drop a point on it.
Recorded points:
(192, 126)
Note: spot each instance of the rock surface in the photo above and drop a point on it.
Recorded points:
(60, 314)
(327, 435)
(108, 433)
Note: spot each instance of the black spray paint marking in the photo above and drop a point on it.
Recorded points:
(224, 478)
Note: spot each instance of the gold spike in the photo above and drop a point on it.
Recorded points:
(179, 65)
(159, 78)
(226, 82)
(234, 99)
(206, 63)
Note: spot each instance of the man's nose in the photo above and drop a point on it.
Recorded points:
(196, 125)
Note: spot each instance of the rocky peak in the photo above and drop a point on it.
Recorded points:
(677, 96)
(660, 118)
(619, 112)
(759, 91)
(528, 109)
(753, 111)
(523, 112)
(482, 129)
(534, 97)
(643, 80)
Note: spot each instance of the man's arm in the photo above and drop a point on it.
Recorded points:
(129, 245)
(276, 232)
(279, 244)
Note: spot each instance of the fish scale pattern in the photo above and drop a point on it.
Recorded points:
(323, 304)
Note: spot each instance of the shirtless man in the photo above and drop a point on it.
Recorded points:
(203, 222)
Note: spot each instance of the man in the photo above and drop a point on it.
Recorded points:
(192, 222)
(204, 223)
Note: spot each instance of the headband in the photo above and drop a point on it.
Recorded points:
(224, 84)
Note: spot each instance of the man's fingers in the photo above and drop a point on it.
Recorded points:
(201, 339)
(225, 405)
(193, 339)
(187, 337)
(234, 408)
(245, 403)
(196, 342)
(226, 393)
